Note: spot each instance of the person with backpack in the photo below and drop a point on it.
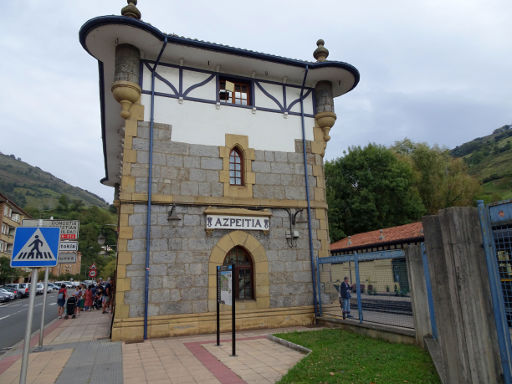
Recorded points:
(61, 300)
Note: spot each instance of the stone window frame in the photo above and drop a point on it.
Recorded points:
(261, 281)
(240, 142)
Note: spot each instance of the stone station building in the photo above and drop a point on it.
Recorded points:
(216, 157)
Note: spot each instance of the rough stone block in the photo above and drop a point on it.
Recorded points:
(159, 158)
(178, 148)
(197, 175)
(217, 190)
(295, 158)
(280, 157)
(211, 163)
(260, 166)
(136, 245)
(295, 193)
(204, 189)
(159, 245)
(191, 162)
(259, 155)
(282, 168)
(191, 220)
(189, 188)
(174, 161)
(269, 156)
(155, 282)
(140, 144)
(204, 150)
(193, 293)
(158, 270)
(200, 306)
(268, 179)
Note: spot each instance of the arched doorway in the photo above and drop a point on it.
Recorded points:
(238, 241)
(243, 274)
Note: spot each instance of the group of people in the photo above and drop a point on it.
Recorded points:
(84, 298)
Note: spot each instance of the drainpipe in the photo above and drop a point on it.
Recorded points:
(150, 182)
(310, 234)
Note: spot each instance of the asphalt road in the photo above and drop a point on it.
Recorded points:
(13, 318)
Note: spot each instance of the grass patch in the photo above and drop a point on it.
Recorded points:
(340, 356)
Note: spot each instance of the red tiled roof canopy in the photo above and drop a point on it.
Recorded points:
(401, 232)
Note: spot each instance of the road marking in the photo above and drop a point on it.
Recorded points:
(5, 317)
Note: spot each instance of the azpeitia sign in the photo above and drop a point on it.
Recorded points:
(247, 223)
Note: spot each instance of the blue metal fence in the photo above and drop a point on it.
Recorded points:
(379, 283)
(496, 224)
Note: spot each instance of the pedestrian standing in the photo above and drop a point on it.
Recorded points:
(344, 298)
(106, 296)
(88, 298)
(61, 300)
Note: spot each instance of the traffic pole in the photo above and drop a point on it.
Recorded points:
(28, 329)
(41, 331)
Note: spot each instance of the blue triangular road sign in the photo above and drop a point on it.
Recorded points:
(35, 247)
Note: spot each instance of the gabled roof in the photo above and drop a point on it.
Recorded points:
(15, 208)
(100, 35)
(400, 234)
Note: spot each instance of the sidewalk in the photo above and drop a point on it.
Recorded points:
(79, 351)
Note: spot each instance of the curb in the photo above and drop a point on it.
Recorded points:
(289, 344)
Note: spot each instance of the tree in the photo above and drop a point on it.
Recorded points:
(8, 274)
(441, 180)
(370, 188)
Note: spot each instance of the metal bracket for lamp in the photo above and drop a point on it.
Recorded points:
(171, 214)
(292, 235)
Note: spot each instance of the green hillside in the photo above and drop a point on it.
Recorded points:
(490, 160)
(30, 186)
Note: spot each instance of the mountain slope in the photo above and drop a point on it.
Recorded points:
(30, 186)
(490, 160)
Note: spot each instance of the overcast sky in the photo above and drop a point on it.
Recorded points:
(433, 71)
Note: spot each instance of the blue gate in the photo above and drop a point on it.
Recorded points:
(496, 223)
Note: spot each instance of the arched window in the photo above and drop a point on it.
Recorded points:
(243, 274)
(236, 167)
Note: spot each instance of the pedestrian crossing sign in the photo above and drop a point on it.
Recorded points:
(35, 247)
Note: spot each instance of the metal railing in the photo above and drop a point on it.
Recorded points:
(380, 287)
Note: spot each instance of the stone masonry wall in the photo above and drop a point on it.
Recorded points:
(180, 250)
(193, 170)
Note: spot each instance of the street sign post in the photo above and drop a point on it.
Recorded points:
(67, 257)
(68, 246)
(34, 247)
(226, 295)
(69, 229)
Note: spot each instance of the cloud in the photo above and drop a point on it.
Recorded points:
(434, 71)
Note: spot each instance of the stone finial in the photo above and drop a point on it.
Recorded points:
(131, 10)
(321, 52)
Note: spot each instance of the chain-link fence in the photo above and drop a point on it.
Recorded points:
(384, 293)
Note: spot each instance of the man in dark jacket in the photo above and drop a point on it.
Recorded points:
(344, 297)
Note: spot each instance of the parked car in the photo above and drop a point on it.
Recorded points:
(53, 287)
(4, 297)
(11, 295)
(17, 294)
(39, 288)
(23, 288)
